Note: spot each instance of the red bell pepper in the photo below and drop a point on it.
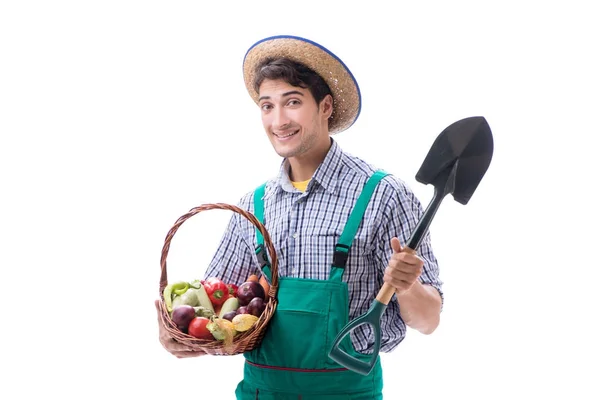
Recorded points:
(217, 291)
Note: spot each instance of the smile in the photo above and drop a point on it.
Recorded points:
(283, 136)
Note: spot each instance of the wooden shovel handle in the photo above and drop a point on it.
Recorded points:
(387, 291)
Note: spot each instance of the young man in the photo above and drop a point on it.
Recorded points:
(313, 214)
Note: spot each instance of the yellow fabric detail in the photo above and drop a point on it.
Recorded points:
(301, 185)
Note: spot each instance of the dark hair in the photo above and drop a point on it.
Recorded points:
(294, 73)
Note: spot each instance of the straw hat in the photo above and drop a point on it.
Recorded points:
(343, 86)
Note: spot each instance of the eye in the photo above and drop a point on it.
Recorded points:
(266, 107)
(294, 102)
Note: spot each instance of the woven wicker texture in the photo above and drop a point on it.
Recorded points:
(346, 94)
(244, 341)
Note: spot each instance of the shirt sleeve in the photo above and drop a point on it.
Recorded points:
(401, 216)
(234, 260)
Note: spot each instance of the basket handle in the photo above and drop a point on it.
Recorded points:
(222, 206)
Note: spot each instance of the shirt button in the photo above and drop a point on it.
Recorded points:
(295, 235)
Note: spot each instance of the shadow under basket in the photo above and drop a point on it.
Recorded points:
(243, 341)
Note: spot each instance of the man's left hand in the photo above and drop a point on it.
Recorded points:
(403, 269)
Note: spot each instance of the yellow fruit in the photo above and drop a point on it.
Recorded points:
(222, 329)
(243, 322)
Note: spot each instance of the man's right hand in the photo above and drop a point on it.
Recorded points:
(169, 343)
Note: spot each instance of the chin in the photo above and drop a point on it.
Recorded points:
(284, 151)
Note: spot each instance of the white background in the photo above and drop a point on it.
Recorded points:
(117, 117)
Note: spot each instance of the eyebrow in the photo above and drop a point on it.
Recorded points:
(291, 92)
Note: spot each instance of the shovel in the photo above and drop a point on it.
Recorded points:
(456, 163)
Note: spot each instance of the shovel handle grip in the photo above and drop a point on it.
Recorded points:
(387, 291)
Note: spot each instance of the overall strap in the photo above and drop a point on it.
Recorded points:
(259, 213)
(340, 256)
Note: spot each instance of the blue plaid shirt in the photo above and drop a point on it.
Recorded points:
(305, 227)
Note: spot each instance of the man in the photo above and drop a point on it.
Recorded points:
(334, 249)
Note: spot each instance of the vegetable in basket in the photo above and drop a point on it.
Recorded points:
(230, 305)
(232, 289)
(194, 296)
(172, 290)
(217, 291)
(182, 316)
(203, 312)
(248, 291)
(198, 328)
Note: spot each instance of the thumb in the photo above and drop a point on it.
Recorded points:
(396, 245)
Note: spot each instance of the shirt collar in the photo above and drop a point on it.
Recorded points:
(326, 175)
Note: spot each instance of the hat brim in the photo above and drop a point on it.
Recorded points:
(343, 86)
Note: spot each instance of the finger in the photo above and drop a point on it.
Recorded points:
(409, 275)
(397, 283)
(401, 279)
(187, 354)
(396, 247)
(177, 347)
(407, 258)
(398, 264)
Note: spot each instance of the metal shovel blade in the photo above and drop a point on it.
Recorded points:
(456, 163)
(468, 141)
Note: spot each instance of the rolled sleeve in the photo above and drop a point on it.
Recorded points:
(400, 219)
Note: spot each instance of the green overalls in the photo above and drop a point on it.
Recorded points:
(292, 360)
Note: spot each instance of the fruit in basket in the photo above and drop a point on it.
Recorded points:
(229, 316)
(222, 329)
(256, 306)
(249, 290)
(231, 304)
(242, 310)
(243, 322)
(182, 315)
(217, 291)
(198, 328)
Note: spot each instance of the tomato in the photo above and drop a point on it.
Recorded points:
(232, 289)
(217, 291)
(197, 328)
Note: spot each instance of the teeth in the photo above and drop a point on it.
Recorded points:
(291, 134)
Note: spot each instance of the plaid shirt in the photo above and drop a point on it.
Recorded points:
(305, 227)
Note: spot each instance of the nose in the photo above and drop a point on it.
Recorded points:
(280, 118)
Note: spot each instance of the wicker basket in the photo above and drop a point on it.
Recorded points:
(244, 341)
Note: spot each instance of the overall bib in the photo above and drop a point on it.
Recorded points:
(292, 360)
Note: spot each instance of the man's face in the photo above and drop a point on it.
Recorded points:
(295, 124)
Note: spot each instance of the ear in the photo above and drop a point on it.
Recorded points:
(326, 106)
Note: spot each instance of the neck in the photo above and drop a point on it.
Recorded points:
(302, 168)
